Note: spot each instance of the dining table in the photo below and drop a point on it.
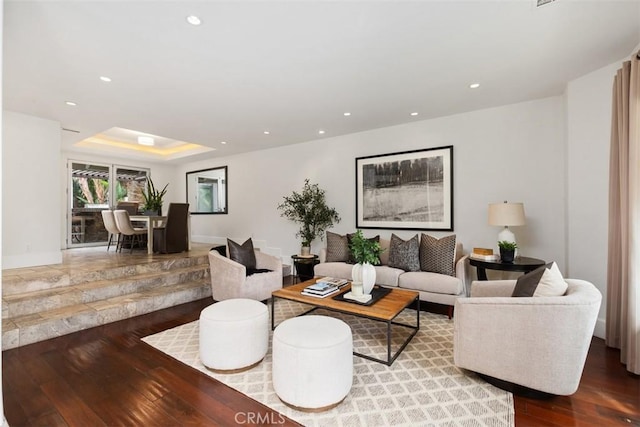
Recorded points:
(155, 221)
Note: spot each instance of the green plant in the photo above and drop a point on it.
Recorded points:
(365, 250)
(152, 197)
(506, 245)
(309, 209)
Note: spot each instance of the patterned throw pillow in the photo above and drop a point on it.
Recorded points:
(404, 254)
(242, 254)
(337, 248)
(438, 255)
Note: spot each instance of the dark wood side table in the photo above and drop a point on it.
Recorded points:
(521, 263)
(303, 266)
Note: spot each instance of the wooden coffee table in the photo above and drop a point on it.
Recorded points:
(385, 310)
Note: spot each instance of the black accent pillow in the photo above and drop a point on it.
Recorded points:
(351, 259)
(404, 254)
(242, 254)
(251, 271)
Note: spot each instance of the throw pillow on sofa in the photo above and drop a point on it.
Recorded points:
(438, 255)
(404, 254)
(337, 248)
(545, 281)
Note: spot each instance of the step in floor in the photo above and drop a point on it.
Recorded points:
(93, 287)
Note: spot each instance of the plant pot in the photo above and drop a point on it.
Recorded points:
(507, 255)
(305, 250)
(365, 273)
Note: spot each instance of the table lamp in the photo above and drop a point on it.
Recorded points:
(505, 215)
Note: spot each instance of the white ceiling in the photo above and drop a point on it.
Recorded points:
(294, 68)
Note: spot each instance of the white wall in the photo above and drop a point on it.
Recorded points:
(514, 152)
(30, 191)
(35, 189)
(588, 140)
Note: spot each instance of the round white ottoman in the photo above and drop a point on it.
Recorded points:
(312, 362)
(234, 335)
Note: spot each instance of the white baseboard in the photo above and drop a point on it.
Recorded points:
(31, 259)
(601, 328)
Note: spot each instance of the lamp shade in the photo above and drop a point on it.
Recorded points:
(506, 214)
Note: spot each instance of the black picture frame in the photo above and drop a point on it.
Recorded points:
(410, 190)
(207, 191)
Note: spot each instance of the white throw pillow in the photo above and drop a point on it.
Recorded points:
(551, 283)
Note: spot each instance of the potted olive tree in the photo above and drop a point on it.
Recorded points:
(153, 198)
(366, 253)
(309, 209)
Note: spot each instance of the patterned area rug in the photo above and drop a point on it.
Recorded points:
(422, 387)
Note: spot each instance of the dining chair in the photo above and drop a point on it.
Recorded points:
(131, 207)
(126, 228)
(110, 225)
(174, 236)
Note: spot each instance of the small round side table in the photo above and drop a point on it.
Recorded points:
(303, 266)
(521, 263)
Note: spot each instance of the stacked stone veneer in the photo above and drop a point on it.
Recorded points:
(54, 303)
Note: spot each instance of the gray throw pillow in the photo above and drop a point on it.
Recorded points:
(544, 281)
(404, 254)
(438, 255)
(242, 254)
(527, 283)
(337, 248)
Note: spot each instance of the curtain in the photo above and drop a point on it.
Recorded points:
(623, 268)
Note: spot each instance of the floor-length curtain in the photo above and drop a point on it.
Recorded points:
(623, 271)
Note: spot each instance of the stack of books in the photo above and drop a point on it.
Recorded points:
(320, 290)
(484, 254)
(333, 281)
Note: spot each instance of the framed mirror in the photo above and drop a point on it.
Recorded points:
(207, 191)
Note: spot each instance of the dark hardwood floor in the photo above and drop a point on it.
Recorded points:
(107, 376)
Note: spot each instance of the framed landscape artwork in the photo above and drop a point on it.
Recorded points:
(407, 190)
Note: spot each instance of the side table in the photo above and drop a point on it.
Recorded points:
(521, 263)
(303, 266)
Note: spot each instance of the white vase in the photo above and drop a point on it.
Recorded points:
(365, 273)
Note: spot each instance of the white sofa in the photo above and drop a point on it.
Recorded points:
(433, 287)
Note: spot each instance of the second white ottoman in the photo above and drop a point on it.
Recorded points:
(312, 362)
(234, 334)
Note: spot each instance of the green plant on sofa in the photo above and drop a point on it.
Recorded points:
(153, 198)
(365, 250)
(309, 209)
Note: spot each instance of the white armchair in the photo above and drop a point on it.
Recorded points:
(540, 343)
(229, 279)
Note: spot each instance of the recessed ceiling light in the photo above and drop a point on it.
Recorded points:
(321, 132)
(474, 85)
(146, 140)
(193, 20)
(414, 113)
(347, 114)
(266, 132)
(71, 103)
(105, 79)
(223, 142)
